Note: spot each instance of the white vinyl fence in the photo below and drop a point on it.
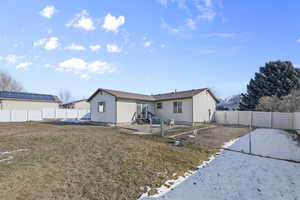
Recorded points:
(45, 114)
(279, 120)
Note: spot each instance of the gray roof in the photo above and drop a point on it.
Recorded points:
(178, 94)
(157, 97)
(28, 96)
(72, 102)
(129, 95)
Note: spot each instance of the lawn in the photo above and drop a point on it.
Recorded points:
(63, 161)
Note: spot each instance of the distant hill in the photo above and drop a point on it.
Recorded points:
(229, 103)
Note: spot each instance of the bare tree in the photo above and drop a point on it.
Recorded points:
(7, 83)
(288, 103)
(65, 95)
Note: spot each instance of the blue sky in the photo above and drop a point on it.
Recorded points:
(144, 46)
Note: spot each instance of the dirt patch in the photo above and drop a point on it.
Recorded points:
(182, 129)
(68, 161)
(213, 137)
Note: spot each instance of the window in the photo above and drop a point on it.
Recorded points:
(101, 107)
(159, 105)
(177, 107)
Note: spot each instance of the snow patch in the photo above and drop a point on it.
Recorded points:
(10, 152)
(172, 183)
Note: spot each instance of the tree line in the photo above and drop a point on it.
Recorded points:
(276, 88)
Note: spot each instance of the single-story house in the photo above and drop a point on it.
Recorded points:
(183, 107)
(27, 101)
(80, 104)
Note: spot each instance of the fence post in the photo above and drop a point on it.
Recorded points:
(250, 147)
(27, 116)
(293, 121)
(271, 119)
(225, 120)
(55, 113)
(10, 115)
(162, 131)
(238, 117)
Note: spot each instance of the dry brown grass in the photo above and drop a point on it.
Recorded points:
(87, 162)
(215, 137)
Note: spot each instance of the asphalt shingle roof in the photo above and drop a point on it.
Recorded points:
(157, 97)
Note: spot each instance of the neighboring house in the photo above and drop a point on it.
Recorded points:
(27, 101)
(230, 103)
(184, 107)
(80, 104)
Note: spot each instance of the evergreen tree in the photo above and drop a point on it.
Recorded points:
(274, 79)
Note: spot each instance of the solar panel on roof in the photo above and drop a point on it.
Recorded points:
(24, 95)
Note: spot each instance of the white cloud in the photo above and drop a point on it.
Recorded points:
(95, 47)
(206, 9)
(148, 43)
(298, 40)
(75, 47)
(39, 42)
(82, 20)
(48, 11)
(163, 46)
(73, 65)
(48, 43)
(112, 23)
(12, 59)
(100, 67)
(221, 35)
(113, 48)
(52, 43)
(85, 69)
(180, 3)
(191, 24)
(23, 65)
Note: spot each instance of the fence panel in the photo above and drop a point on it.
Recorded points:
(261, 119)
(244, 118)
(283, 120)
(34, 115)
(19, 115)
(297, 120)
(232, 117)
(49, 113)
(61, 114)
(72, 113)
(220, 117)
(4, 115)
(84, 114)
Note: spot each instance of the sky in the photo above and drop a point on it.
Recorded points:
(144, 46)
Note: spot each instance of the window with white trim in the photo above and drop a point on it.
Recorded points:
(101, 107)
(177, 107)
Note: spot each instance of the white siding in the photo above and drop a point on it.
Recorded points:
(202, 103)
(82, 105)
(26, 105)
(166, 113)
(109, 116)
(126, 109)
